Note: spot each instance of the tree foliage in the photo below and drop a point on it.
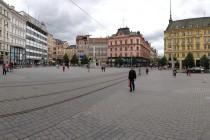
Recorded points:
(189, 61)
(66, 59)
(204, 61)
(74, 59)
(163, 61)
(84, 60)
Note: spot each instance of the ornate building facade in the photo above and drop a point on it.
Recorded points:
(130, 47)
(184, 36)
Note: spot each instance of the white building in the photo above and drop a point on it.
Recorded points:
(17, 33)
(4, 32)
(36, 41)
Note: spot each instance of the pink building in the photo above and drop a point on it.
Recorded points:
(128, 48)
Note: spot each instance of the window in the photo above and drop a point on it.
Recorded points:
(131, 41)
(183, 55)
(115, 49)
(137, 48)
(197, 46)
(111, 49)
(137, 41)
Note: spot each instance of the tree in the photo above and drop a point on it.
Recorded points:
(189, 61)
(66, 59)
(84, 60)
(163, 61)
(74, 59)
(204, 61)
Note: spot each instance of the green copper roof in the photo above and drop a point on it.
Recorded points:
(189, 23)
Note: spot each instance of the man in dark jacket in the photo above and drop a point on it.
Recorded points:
(132, 77)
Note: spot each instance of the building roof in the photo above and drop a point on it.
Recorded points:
(125, 32)
(201, 22)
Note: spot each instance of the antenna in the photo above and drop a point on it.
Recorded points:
(170, 20)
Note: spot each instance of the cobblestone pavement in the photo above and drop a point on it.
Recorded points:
(161, 108)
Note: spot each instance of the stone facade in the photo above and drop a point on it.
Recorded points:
(70, 51)
(4, 32)
(130, 48)
(98, 50)
(51, 45)
(184, 36)
(94, 48)
(59, 50)
(17, 37)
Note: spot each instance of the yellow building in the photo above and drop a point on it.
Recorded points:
(184, 36)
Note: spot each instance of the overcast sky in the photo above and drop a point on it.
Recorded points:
(64, 20)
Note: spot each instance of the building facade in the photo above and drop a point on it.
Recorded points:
(4, 32)
(51, 45)
(17, 33)
(94, 48)
(82, 44)
(70, 51)
(36, 41)
(98, 50)
(130, 47)
(184, 36)
(59, 50)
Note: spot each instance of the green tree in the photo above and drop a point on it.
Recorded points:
(163, 61)
(66, 59)
(204, 61)
(189, 61)
(74, 59)
(84, 60)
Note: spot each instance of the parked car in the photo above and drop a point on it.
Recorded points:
(197, 70)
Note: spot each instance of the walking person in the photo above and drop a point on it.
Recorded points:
(131, 78)
(4, 69)
(63, 67)
(174, 73)
(102, 68)
(147, 71)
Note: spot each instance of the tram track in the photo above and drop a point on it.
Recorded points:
(111, 82)
(55, 93)
(44, 83)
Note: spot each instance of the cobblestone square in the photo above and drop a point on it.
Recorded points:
(48, 104)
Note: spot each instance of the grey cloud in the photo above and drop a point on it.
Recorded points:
(155, 36)
(65, 20)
